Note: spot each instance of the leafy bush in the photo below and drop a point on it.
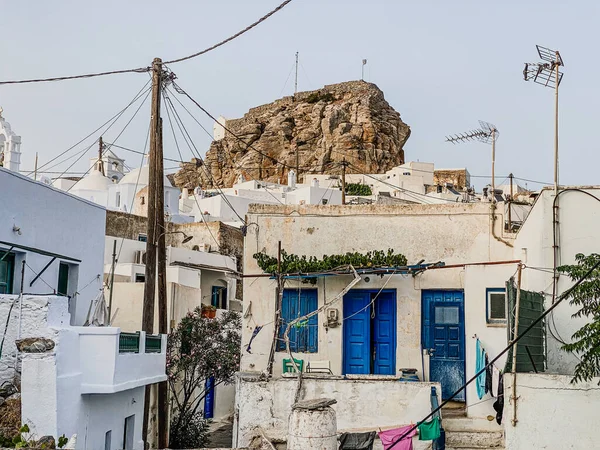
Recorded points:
(198, 349)
(191, 433)
(291, 263)
(358, 189)
(586, 296)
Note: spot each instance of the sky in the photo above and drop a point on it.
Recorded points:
(442, 65)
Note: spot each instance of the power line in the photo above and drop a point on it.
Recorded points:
(231, 38)
(116, 116)
(148, 69)
(190, 143)
(112, 144)
(105, 150)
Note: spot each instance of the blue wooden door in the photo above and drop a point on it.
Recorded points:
(384, 334)
(369, 333)
(357, 333)
(209, 399)
(443, 335)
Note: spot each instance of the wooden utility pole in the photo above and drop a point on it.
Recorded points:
(163, 408)
(150, 274)
(344, 181)
(510, 204)
(100, 150)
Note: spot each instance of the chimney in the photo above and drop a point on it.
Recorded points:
(314, 183)
(292, 179)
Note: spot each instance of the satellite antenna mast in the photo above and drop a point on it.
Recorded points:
(362, 75)
(547, 74)
(486, 133)
(296, 82)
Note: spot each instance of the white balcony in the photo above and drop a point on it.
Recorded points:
(111, 361)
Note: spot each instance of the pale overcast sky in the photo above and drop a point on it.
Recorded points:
(441, 64)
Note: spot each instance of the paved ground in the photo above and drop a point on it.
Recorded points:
(220, 435)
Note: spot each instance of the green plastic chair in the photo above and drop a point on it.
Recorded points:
(288, 366)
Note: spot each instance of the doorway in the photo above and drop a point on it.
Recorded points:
(443, 337)
(369, 345)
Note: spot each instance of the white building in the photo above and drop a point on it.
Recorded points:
(89, 383)
(228, 205)
(10, 146)
(368, 392)
(59, 237)
(112, 165)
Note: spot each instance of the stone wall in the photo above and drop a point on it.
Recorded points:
(458, 177)
(31, 319)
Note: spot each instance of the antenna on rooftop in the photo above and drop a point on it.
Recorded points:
(486, 133)
(296, 80)
(547, 74)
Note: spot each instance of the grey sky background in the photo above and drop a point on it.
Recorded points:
(441, 64)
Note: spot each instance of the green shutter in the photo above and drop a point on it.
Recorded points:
(531, 307)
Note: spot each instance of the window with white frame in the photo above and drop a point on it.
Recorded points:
(496, 305)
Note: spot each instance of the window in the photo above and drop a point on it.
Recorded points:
(142, 237)
(303, 337)
(219, 297)
(142, 200)
(496, 305)
(128, 432)
(63, 279)
(107, 439)
(6, 272)
(140, 278)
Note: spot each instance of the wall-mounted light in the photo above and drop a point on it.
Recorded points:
(17, 230)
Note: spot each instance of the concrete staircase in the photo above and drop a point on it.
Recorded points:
(463, 433)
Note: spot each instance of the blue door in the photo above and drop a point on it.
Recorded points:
(209, 399)
(443, 336)
(369, 333)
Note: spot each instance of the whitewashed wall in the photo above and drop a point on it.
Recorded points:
(362, 404)
(552, 413)
(57, 222)
(579, 219)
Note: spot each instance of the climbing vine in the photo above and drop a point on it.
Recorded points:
(291, 263)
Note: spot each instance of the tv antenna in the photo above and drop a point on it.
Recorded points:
(547, 73)
(486, 133)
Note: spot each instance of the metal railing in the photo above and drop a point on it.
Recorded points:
(153, 343)
(129, 342)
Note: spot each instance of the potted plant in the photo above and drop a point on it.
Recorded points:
(209, 311)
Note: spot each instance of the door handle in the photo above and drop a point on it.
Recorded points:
(430, 351)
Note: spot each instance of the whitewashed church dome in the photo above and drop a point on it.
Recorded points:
(95, 181)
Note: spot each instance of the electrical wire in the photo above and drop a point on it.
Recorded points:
(105, 150)
(112, 144)
(148, 69)
(180, 155)
(192, 147)
(117, 115)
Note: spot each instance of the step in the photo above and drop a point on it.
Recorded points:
(470, 424)
(475, 439)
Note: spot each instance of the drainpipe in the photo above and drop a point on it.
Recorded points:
(514, 355)
(493, 216)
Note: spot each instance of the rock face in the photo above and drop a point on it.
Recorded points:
(350, 120)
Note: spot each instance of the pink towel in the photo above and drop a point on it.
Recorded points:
(388, 437)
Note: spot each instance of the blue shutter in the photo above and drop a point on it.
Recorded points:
(303, 339)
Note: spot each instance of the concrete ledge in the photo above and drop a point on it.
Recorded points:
(112, 388)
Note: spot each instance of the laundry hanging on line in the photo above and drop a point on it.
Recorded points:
(429, 431)
(388, 437)
(488, 376)
(357, 441)
(479, 365)
(499, 403)
(254, 333)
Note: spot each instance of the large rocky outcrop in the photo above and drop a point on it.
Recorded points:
(350, 120)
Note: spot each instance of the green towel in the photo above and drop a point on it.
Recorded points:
(429, 431)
